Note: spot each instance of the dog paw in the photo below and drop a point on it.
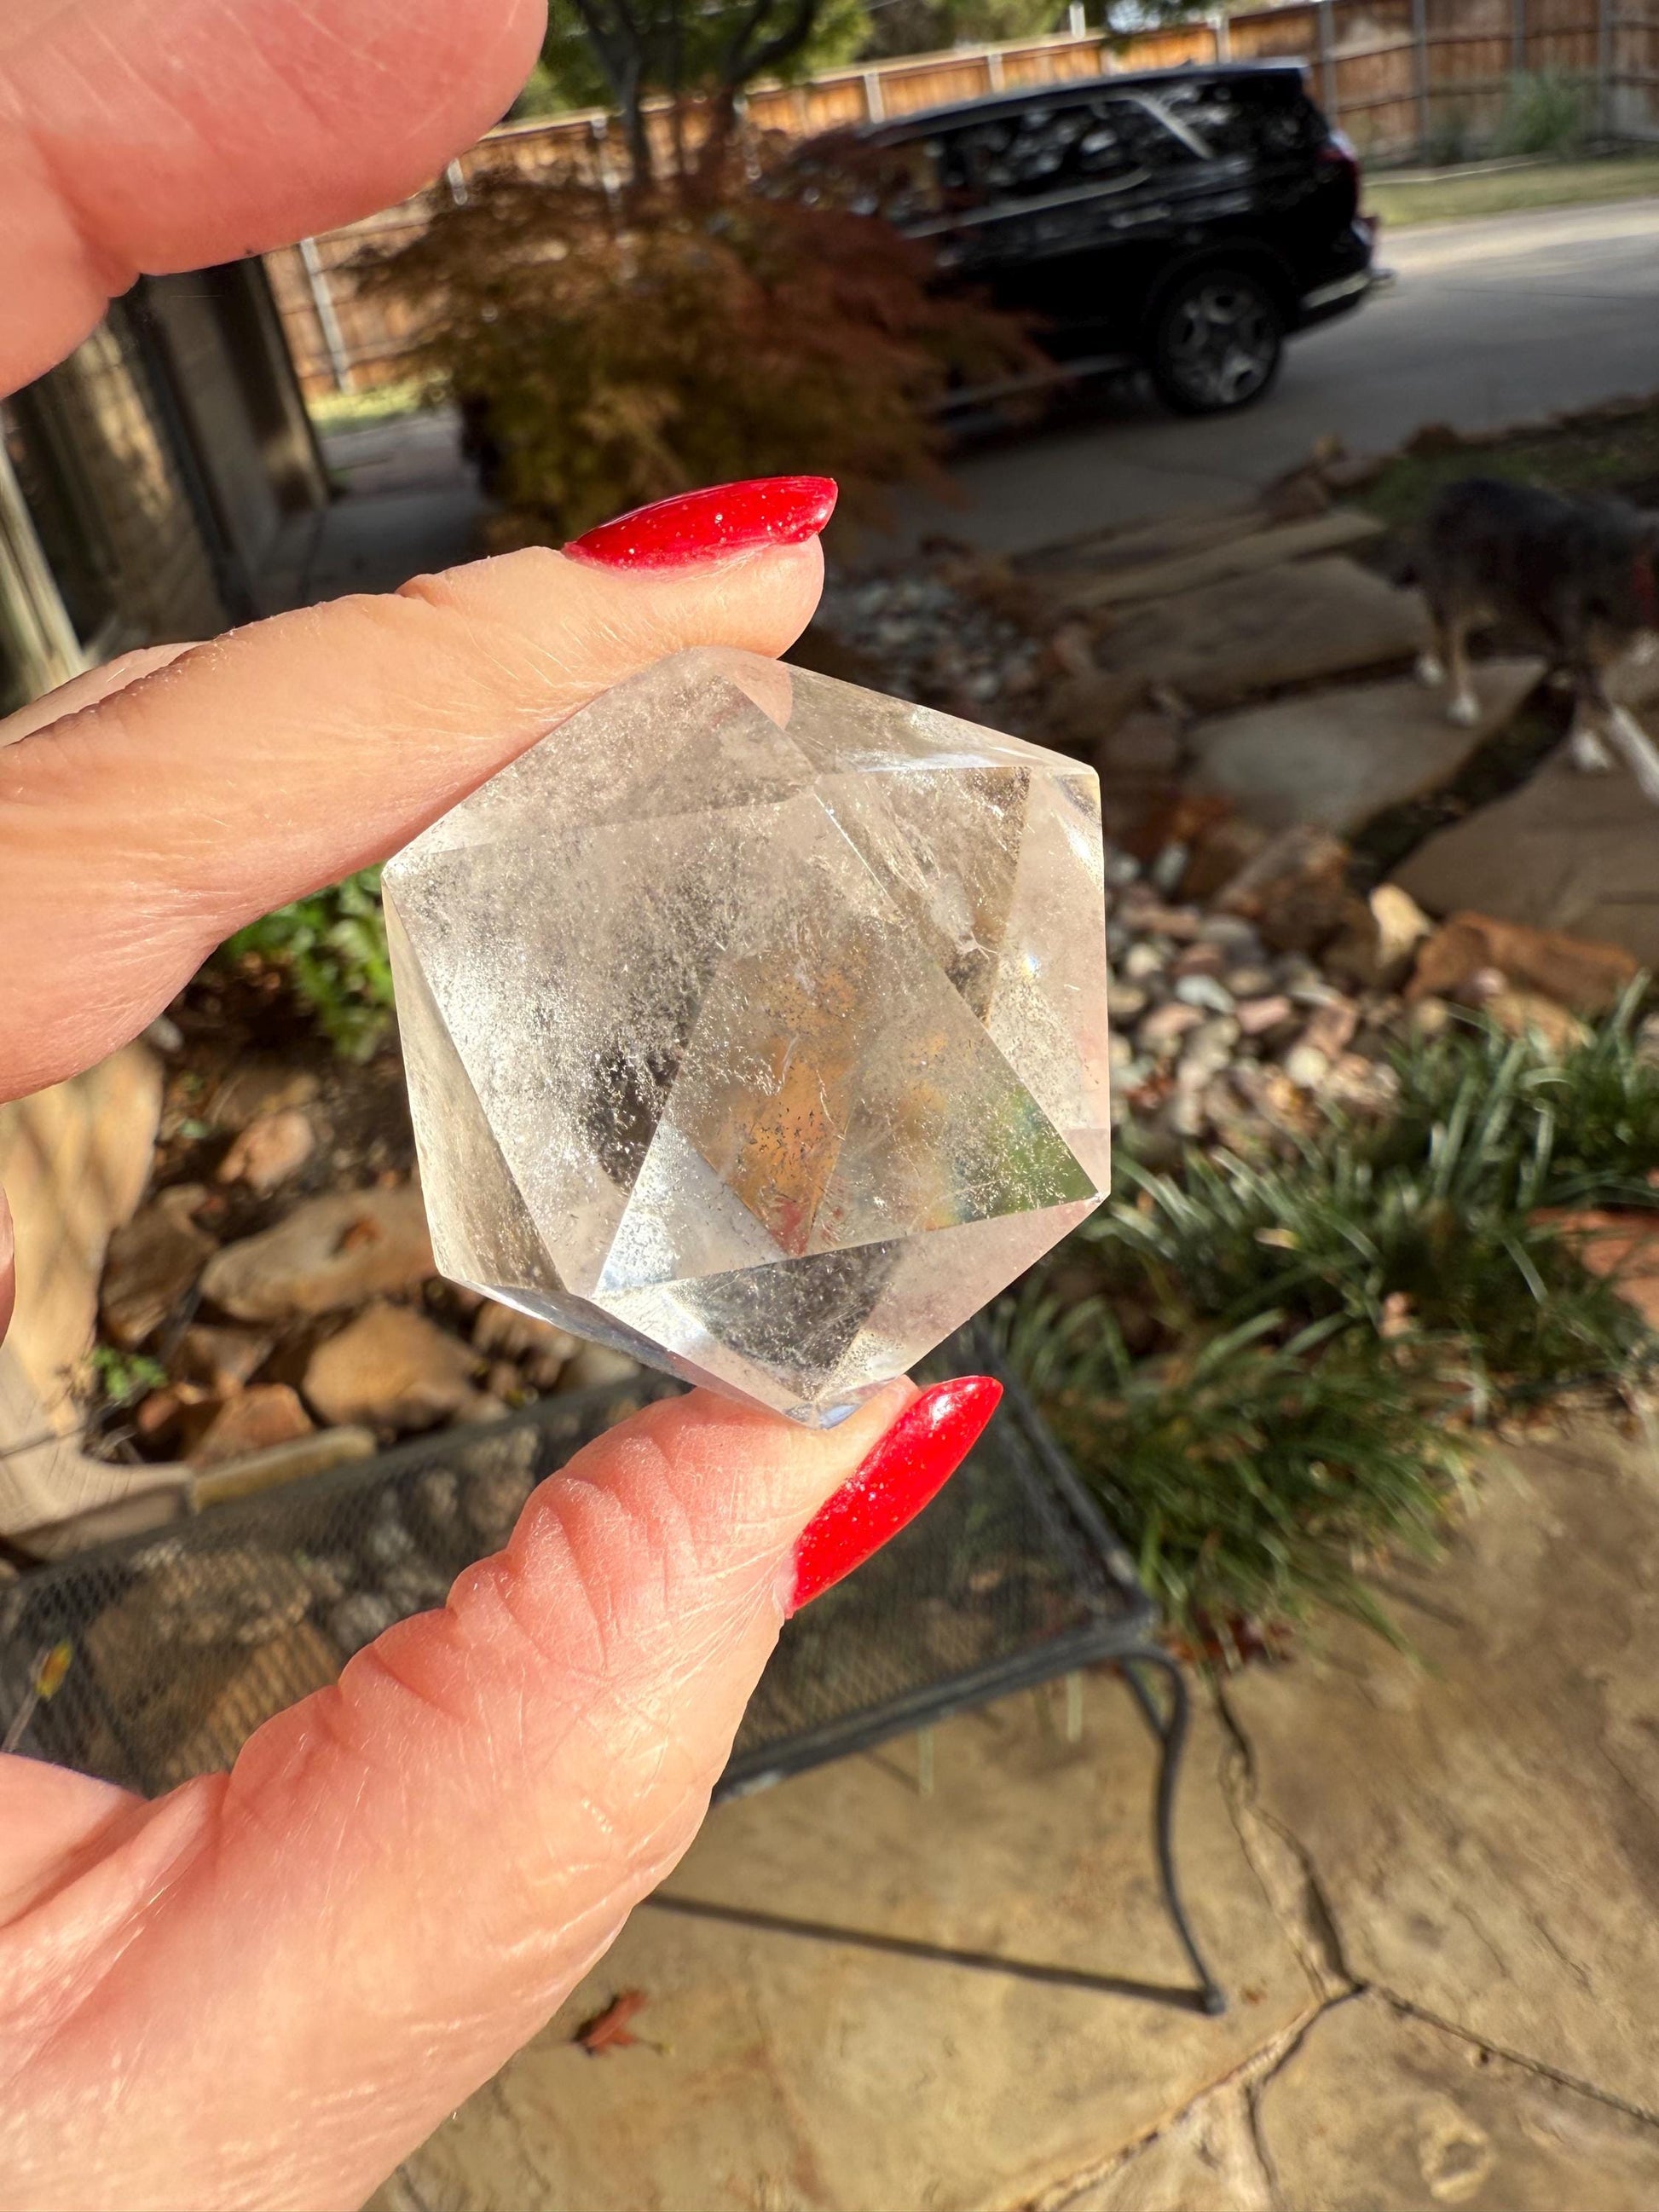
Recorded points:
(1430, 670)
(1464, 710)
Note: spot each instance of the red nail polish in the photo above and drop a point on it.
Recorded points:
(914, 1461)
(712, 525)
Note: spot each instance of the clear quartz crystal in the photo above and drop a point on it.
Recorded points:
(756, 1025)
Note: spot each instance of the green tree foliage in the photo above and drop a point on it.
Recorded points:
(621, 53)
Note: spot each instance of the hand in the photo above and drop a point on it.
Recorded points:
(267, 1987)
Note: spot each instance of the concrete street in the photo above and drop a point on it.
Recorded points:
(1496, 321)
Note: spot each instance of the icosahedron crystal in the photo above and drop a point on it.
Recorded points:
(756, 1025)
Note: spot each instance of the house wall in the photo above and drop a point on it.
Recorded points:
(149, 479)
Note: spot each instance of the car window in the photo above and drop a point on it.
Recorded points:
(1039, 151)
(1266, 116)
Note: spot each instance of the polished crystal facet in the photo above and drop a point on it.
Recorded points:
(756, 1024)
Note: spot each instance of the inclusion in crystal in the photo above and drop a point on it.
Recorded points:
(756, 1025)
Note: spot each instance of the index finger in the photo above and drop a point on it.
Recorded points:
(139, 136)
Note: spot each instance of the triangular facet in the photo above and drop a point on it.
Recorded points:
(681, 1220)
(938, 1282)
(482, 1231)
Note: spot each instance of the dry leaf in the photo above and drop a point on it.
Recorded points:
(608, 2030)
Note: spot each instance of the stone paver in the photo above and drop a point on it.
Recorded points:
(1374, 2110)
(1300, 624)
(808, 2071)
(1566, 851)
(1248, 554)
(1338, 757)
(1484, 1821)
(1206, 2161)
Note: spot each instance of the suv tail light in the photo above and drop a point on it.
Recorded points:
(1337, 152)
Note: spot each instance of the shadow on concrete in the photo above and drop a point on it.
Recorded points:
(937, 1954)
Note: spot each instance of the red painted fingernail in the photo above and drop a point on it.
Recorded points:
(912, 1463)
(712, 525)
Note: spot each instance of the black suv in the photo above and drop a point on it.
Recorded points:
(1184, 219)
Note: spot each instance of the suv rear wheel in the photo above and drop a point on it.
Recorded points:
(1216, 342)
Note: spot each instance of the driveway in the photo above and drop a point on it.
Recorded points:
(1493, 322)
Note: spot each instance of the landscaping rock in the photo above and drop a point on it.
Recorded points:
(1141, 748)
(1162, 1030)
(329, 1253)
(270, 1150)
(1528, 1013)
(304, 1456)
(152, 1261)
(1380, 940)
(1587, 977)
(222, 1359)
(1332, 1026)
(1084, 712)
(1219, 645)
(1622, 1247)
(256, 1089)
(502, 1332)
(1206, 992)
(596, 1367)
(1259, 1017)
(1219, 853)
(1295, 890)
(391, 1367)
(252, 1421)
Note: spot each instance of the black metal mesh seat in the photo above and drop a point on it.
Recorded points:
(183, 1641)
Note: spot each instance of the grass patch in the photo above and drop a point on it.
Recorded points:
(1272, 1373)
(1403, 203)
(1603, 450)
(381, 402)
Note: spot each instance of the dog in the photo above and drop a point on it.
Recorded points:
(1577, 580)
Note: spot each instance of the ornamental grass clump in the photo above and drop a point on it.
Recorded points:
(1273, 1374)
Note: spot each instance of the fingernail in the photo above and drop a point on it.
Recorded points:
(712, 525)
(912, 1463)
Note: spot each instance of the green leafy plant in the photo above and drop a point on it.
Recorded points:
(331, 949)
(1546, 112)
(116, 1379)
(1319, 1337)
(1253, 1477)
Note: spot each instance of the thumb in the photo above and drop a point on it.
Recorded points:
(405, 1874)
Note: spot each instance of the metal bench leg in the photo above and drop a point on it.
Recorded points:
(1171, 1734)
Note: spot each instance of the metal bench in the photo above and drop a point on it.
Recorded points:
(185, 1640)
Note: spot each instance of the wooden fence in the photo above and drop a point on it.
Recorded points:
(1402, 78)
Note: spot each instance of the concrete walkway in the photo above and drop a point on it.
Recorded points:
(1428, 1884)
(1493, 322)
